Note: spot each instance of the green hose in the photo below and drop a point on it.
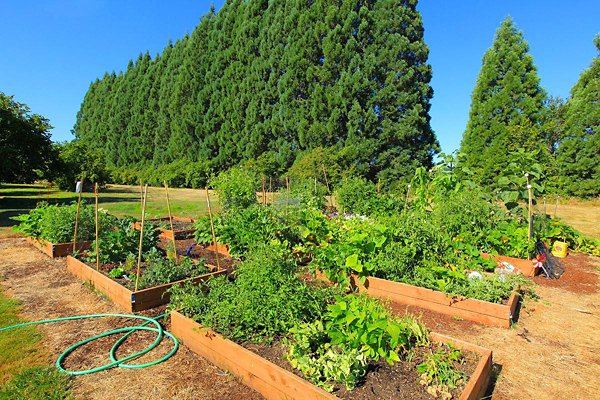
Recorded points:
(129, 330)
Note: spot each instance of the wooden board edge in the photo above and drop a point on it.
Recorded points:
(272, 381)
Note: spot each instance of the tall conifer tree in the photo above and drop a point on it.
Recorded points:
(578, 154)
(506, 106)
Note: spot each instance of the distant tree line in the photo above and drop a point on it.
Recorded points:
(267, 82)
(513, 121)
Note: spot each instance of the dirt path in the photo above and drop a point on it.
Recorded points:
(47, 290)
(551, 353)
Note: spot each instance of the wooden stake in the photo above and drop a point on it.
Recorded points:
(139, 263)
(77, 218)
(212, 228)
(264, 190)
(406, 199)
(315, 178)
(271, 189)
(378, 185)
(97, 250)
(556, 206)
(330, 200)
(287, 196)
(530, 206)
(170, 218)
(141, 192)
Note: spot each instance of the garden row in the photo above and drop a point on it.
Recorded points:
(301, 303)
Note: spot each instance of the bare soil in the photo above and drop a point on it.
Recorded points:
(400, 381)
(199, 251)
(551, 352)
(47, 290)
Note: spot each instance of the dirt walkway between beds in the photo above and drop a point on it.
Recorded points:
(552, 351)
(46, 290)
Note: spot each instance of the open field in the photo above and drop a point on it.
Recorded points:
(119, 200)
(122, 200)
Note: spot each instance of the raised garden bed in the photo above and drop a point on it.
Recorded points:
(57, 249)
(274, 382)
(127, 299)
(183, 228)
(483, 312)
(526, 267)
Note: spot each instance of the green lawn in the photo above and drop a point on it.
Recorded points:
(119, 200)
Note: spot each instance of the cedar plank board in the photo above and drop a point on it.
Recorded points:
(123, 297)
(273, 382)
(57, 249)
(270, 380)
(526, 267)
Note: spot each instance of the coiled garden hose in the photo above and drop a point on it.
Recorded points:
(129, 330)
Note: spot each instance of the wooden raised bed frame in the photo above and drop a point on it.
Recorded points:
(526, 267)
(125, 298)
(274, 382)
(167, 233)
(57, 249)
(483, 312)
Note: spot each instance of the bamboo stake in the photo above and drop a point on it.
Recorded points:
(77, 217)
(264, 190)
(378, 185)
(141, 192)
(530, 206)
(97, 251)
(139, 263)
(170, 218)
(271, 189)
(212, 228)
(406, 199)
(330, 200)
(287, 195)
(556, 206)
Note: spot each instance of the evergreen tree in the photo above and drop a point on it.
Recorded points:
(506, 107)
(578, 155)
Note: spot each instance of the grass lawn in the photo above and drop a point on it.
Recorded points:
(119, 200)
(24, 370)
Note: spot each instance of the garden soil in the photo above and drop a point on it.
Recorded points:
(550, 353)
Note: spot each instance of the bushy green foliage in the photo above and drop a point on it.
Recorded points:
(78, 161)
(25, 147)
(123, 242)
(440, 371)
(160, 270)
(56, 223)
(266, 299)
(236, 188)
(354, 330)
(356, 195)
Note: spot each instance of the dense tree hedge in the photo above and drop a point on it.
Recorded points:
(267, 80)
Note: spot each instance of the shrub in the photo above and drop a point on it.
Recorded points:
(236, 188)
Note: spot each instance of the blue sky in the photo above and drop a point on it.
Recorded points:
(50, 50)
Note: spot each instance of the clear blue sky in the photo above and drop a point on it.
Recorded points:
(50, 50)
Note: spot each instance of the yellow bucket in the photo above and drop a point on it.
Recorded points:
(559, 249)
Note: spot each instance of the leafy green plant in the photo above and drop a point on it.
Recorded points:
(123, 243)
(236, 188)
(266, 299)
(440, 371)
(56, 223)
(361, 322)
(310, 351)
(160, 271)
